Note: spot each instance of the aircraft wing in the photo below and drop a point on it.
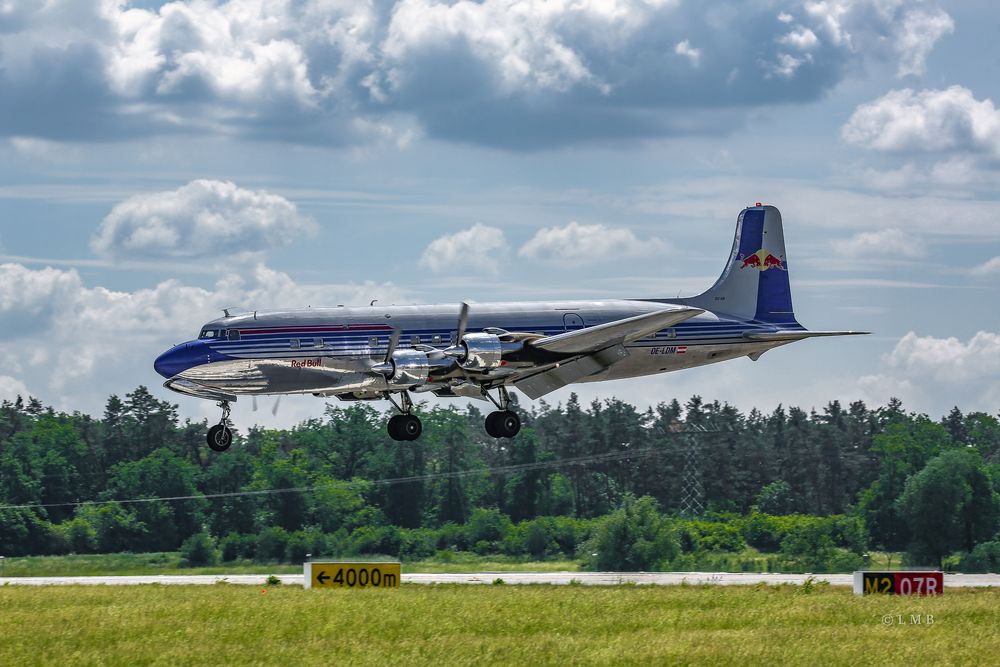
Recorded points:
(593, 339)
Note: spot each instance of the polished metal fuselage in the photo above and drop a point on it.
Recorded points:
(331, 351)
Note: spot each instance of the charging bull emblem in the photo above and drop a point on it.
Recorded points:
(762, 260)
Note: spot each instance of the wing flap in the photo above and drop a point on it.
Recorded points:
(562, 374)
(592, 339)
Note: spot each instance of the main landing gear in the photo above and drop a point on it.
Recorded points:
(404, 426)
(220, 436)
(504, 422)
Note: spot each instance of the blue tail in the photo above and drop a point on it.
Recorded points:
(754, 285)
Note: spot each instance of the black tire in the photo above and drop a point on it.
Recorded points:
(507, 423)
(220, 438)
(410, 427)
(491, 424)
(395, 432)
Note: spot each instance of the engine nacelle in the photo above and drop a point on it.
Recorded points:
(411, 367)
(480, 351)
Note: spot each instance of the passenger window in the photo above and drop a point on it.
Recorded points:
(318, 342)
(295, 343)
(234, 334)
(415, 340)
(437, 339)
(373, 341)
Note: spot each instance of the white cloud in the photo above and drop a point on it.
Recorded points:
(920, 369)
(11, 388)
(928, 120)
(883, 243)
(575, 243)
(988, 268)
(30, 299)
(201, 219)
(801, 38)
(785, 65)
(522, 74)
(477, 249)
(686, 50)
(920, 31)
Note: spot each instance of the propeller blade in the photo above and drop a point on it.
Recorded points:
(254, 402)
(274, 410)
(463, 321)
(393, 342)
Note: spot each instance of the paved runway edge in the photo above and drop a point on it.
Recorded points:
(515, 578)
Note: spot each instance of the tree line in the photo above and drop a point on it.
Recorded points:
(75, 483)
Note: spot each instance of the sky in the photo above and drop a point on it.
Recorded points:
(162, 161)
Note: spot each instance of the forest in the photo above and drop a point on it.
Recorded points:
(679, 486)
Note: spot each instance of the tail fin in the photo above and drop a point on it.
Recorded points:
(754, 284)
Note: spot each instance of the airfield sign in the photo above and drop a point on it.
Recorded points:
(899, 583)
(320, 574)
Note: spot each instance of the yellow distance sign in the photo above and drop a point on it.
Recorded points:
(351, 575)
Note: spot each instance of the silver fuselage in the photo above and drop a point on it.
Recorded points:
(330, 351)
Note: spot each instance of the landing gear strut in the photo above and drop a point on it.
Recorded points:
(404, 426)
(504, 422)
(220, 437)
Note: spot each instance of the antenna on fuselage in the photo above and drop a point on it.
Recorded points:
(225, 311)
(373, 302)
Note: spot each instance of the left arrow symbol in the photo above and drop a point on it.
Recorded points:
(322, 577)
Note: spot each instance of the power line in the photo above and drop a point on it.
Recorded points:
(605, 457)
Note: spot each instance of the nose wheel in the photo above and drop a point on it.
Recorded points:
(405, 426)
(220, 436)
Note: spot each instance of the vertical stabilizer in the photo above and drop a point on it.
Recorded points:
(754, 284)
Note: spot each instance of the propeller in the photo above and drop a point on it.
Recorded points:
(386, 367)
(463, 321)
(274, 410)
(456, 351)
(253, 401)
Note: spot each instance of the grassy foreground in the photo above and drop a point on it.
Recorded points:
(244, 625)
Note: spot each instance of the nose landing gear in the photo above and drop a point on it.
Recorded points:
(504, 422)
(220, 436)
(404, 426)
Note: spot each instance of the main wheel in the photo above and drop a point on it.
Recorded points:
(410, 427)
(394, 428)
(220, 438)
(491, 424)
(507, 423)
(503, 424)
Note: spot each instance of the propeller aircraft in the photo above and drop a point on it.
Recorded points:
(483, 351)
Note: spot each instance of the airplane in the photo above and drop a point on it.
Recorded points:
(458, 350)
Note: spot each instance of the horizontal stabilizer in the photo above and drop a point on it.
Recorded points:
(592, 339)
(799, 335)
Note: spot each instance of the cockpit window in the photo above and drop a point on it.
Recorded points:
(207, 333)
(234, 334)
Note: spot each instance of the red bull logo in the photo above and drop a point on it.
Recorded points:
(762, 260)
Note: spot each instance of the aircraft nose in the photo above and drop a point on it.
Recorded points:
(177, 360)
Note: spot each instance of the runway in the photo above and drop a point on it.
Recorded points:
(515, 578)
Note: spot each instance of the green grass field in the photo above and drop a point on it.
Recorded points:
(464, 625)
